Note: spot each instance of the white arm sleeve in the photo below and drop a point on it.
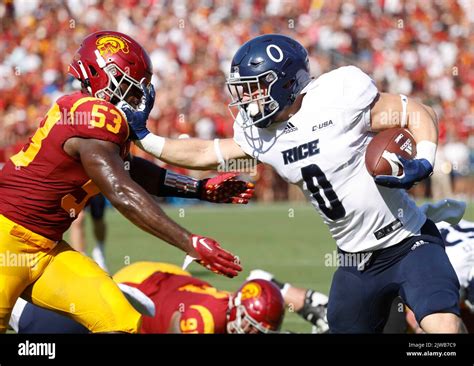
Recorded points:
(152, 144)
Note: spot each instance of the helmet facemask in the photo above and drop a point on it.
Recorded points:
(245, 324)
(120, 87)
(241, 322)
(252, 99)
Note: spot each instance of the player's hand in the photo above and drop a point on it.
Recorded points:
(226, 189)
(208, 253)
(137, 118)
(414, 171)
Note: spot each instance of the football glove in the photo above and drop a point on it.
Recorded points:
(137, 118)
(208, 253)
(314, 311)
(226, 189)
(414, 171)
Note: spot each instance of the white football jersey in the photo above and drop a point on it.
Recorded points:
(459, 240)
(322, 149)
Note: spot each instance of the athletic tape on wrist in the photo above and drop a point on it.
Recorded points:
(152, 144)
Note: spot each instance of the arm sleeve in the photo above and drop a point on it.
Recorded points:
(162, 182)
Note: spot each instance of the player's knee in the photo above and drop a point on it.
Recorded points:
(431, 300)
(129, 322)
(117, 315)
(442, 323)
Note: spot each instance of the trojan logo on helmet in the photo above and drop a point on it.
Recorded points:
(256, 307)
(251, 290)
(108, 45)
(112, 66)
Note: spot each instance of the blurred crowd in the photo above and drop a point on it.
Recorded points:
(422, 48)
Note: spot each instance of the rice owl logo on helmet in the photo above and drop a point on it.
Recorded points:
(271, 71)
(108, 45)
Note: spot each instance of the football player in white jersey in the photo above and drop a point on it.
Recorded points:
(314, 133)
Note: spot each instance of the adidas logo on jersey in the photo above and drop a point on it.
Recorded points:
(290, 127)
(419, 243)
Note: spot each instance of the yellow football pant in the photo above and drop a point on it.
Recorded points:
(56, 277)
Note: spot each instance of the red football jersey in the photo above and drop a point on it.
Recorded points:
(201, 307)
(43, 188)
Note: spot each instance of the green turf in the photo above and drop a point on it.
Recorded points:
(289, 240)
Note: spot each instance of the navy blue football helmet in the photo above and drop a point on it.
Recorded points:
(267, 74)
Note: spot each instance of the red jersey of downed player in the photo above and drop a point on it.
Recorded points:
(189, 305)
(201, 307)
(43, 188)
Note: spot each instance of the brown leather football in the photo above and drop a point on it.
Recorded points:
(380, 157)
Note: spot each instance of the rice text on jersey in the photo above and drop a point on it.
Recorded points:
(300, 152)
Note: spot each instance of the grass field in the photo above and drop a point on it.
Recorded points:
(286, 239)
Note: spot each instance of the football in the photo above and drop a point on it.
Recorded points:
(380, 157)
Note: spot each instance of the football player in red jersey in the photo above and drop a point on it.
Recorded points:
(185, 304)
(174, 302)
(79, 150)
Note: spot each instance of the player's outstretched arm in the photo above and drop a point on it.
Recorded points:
(102, 163)
(224, 188)
(389, 111)
(192, 153)
(186, 153)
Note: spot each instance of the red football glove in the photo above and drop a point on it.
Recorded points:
(209, 254)
(226, 189)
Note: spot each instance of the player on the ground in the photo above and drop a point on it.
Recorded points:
(315, 134)
(77, 152)
(160, 290)
(180, 304)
